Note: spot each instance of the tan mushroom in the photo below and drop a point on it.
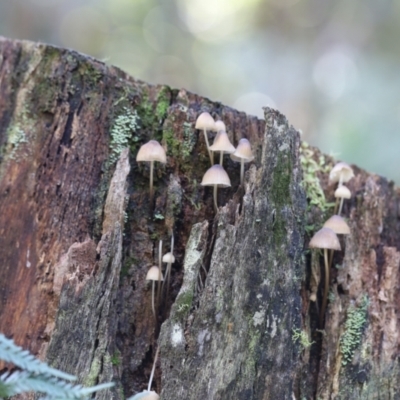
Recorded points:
(153, 274)
(220, 126)
(342, 192)
(223, 145)
(216, 176)
(338, 225)
(206, 123)
(150, 152)
(242, 154)
(325, 239)
(341, 173)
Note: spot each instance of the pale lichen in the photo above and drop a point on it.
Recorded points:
(301, 337)
(121, 133)
(354, 326)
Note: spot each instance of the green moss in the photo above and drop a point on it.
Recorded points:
(173, 144)
(152, 113)
(116, 359)
(162, 103)
(311, 183)
(183, 303)
(354, 326)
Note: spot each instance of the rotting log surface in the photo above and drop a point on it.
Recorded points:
(77, 236)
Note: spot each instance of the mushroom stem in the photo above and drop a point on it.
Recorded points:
(215, 198)
(221, 158)
(325, 295)
(336, 206)
(241, 171)
(169, 264)
(159, 273)
(208, 146)
(153, 369)
(341, 205)
(151, 180)
(152, 299)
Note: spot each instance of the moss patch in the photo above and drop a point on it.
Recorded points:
(311, 183)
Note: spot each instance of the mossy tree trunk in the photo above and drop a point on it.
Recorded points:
(78, 234)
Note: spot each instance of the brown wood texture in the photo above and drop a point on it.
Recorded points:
(78, 235)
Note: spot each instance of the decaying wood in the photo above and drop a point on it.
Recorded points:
(78, 234)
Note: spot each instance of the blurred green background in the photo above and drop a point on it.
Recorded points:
(332, 66)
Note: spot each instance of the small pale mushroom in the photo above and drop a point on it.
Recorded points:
(341, 173)
(153, 275)
(223, 145)
(220, 126)
(325, 239)
(338, 225)
(342, 192)
(206, 123)
(242, 154)
(146, 395)
(169, 259)
(150, 152)
(216, 176)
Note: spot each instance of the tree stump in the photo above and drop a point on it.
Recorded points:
(78, 233)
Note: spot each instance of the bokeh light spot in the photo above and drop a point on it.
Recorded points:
(334, 73)
(253, 102)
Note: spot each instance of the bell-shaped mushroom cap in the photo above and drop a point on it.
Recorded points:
(152, 274)
(152, 151)
(222, 143)
(146, 395)
(338, 225)
(220, 126)
(243, 152)
(325, 238)
(341, 172)
(151, 396)
(168, 258)
(205, 121)
(343, 192)
(216, 175)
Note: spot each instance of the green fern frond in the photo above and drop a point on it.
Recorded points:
(54, 388)
(21, 358)
(38, 377)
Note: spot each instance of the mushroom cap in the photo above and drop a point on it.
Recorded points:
(152, 151)
(146, 395)
(222, 143)
(343, 170)
(220, 126)
(343, 192)
(152, 274)
(205, 121)
(338, 225)
(243, 152)
(216, 175)
(168, 258)
(325, 238)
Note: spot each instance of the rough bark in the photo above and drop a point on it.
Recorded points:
(78, 234)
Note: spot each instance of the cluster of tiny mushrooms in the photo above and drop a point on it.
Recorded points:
(215, 176)
(326, 238)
